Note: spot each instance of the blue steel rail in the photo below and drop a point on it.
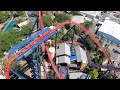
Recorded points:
(73, 56)
(27, 41)
(23, 55)
(17, 74)
(36, 22)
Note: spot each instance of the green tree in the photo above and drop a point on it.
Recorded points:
(94, 73)
(101, 55)
(9, 38)
(20, 13)
(16, 68)
(96, 60)
(88, 24)
(47, 20)
(25, 30)
(79, 40)
(101, 40)
(62, 17)
(67, 26)
(59, 36)
(3, 17)
(75, 12)
(4, 64)
(5, 41)
(77, 30)
(89, 43)
(1, 54)
(55, 23)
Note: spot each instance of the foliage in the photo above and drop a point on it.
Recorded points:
(92, 45)
(88, 24)
(101, 40)
(16, 68)
(62, 17)
(1, 54)
(59, 36)
(67, 26)
(75, 12)
(79, 40)
(55, 23)
(20, 13)
(3, 17)
(18, 21)
(101, 54)
(45, 12)
(5, 40)
(75, 38)
(94, 73)
(25, 31)
(9, 38)
(4, 63)
(77, 30)
(89, 43)
(68, 36)
(47, 20)
(96, 60)
(53, 37)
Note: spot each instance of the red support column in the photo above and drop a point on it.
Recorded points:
(63, 72)
(43, 45)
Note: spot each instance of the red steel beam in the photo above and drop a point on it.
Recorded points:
(41, 20)
(43, 45)
(52, 64)
(63, 72)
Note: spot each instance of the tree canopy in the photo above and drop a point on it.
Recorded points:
(3, 16)
(62, 17)
(77, 30)
(67, 26)
(79, 40)
(88, 24)
(94, 73)
(12, 37)
(59, 36)
(75, 12)
(96, 60)
(20, 13)
(47, 20)
(89, 43)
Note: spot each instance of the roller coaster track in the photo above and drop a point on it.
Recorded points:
(45, 35)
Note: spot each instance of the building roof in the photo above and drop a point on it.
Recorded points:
(111, 28)
(23, 23)
(79, 75)
(64, 49)
(93, 13)
(81, 54)
(78, 19)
